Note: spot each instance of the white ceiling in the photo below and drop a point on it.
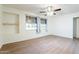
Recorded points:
(35, 8)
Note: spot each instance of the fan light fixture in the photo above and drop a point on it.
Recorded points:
(49, 11)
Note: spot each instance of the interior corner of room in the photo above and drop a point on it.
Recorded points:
(13, 25)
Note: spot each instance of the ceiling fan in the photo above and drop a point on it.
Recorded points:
(50, 10)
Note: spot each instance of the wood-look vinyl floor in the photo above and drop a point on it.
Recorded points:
(44, 45)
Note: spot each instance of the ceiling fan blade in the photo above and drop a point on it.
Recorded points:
(58, 9)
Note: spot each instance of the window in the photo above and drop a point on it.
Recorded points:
(43, 24)
(30, 23)
(36, 23)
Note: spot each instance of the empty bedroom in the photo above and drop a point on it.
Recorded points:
(39, 28)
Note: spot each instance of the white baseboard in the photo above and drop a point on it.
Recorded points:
(64, 36)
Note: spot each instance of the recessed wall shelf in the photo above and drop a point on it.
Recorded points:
(10, 23)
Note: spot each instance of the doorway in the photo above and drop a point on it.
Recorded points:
(76, 28)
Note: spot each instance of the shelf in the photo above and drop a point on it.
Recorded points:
(9, 24)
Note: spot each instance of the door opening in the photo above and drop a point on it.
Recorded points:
(76, 28)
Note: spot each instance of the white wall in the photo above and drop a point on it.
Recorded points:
(63, 25)
(23, 34)
(50, 24)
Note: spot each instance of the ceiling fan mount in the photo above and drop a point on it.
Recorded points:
(49, 9)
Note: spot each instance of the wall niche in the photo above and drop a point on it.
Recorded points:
(10, 23)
